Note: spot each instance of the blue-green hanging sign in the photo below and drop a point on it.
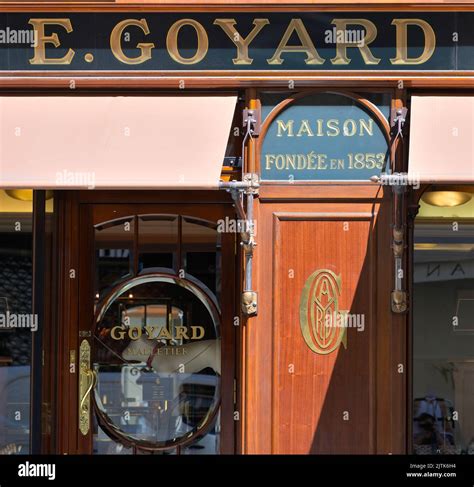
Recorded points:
(324, 137)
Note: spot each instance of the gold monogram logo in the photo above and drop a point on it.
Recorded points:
(321, 321)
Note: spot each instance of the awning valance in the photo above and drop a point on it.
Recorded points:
(148, 142)
(442, 139)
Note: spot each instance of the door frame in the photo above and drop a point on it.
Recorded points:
(70, 242)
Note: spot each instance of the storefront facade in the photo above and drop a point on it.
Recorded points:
(251, 230)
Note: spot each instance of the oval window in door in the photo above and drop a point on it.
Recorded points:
(157, 358)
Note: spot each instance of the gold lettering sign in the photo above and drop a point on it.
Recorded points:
(306, 46)
(116, 42)
(402, 41)
(319, 312)
(43, 40)
(172, 42)
(321, 128)
(242, 43)
(346, 34)
(121, 332)
(363, 45)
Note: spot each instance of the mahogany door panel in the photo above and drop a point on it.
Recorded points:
(322, 395)
(332, 392)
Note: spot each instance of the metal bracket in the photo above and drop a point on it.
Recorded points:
(398, 182)
(253, 182)
(398, 244)
(398, 116)
(249, 303)
(252, 117)
(398, 119)
(399, 301)
(247, 188)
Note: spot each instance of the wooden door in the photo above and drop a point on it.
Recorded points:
(314, 390)
(153, 344)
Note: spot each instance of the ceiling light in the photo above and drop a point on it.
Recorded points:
(25, 194)
(446, 199)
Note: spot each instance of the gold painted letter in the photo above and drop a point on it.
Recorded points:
(42, 40)
(401, 56)
(242, 43)
(285, 127)
(198, 332)
(116, 42)
(172, 42)
(307, 46)
(181, 332)
(117, 335)
(362, 45)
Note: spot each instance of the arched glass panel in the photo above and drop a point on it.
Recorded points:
(157, 360)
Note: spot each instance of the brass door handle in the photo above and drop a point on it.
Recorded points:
(92, 375)
(87, 381)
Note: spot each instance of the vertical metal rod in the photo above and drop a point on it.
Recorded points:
(398, 279)
(248, 255)
(399, 303)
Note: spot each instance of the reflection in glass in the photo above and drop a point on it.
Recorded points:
(114, 253)
(443, 338)
(206, 444)
(158, 242)
(15, 343)
(157, 355)
(103, 445)
(201, 248)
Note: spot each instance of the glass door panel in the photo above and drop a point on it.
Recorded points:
(152, 380)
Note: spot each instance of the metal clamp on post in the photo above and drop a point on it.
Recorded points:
(252, 121)
(399, 183)
(399, 116)
(248, 187)
(399, 295)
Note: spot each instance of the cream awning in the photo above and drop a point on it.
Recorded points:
(149, 142)
(442, 139)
